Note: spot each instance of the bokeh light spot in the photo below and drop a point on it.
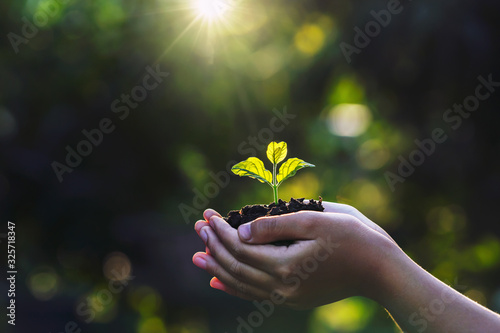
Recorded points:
(309, 39)
(349, 120)
(265, 63)
(372, 154)
(145, 300)
(117, 267)
(487, 253)
(103, 302)
(347, 90)
(445, 271)
(109, 14)
(305, 185)
(193, 165)
(43, 283)
(152, 325)
(370, 198)
(446, 219)
(349, 315)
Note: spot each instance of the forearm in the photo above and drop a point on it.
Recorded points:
(420, 303)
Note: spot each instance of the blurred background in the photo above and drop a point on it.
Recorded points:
(104, 241)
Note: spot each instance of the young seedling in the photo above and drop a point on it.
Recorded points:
(276, 153)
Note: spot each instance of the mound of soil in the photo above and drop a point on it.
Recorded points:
(251, 212)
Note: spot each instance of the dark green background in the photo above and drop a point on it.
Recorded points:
(222, 86)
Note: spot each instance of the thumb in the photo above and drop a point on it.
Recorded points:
(294, 226)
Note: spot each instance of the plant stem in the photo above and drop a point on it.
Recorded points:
(275, 184)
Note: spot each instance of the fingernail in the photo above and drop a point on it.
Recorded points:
(204, 235)
(244, 231)
(200, 262)
(216, 284)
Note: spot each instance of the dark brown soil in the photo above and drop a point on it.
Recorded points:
(249, 213)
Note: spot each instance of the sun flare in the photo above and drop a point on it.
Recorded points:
(211, 10)
(210, 22)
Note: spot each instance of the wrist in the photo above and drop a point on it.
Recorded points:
(388, 272)
(404, 287)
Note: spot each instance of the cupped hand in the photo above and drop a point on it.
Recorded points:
(336, 254)
(333, 207)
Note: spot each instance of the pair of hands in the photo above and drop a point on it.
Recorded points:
(336, 254)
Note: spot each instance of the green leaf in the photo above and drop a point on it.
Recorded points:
(290, 168)
(253, 168)
(276, 152)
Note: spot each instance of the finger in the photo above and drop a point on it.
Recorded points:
(233, 286)
(208, 213)
(199, 260)
(217, 284)
(262, 257)
(333, 207)
(239, 270)
(294, 226)
(199, 225)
